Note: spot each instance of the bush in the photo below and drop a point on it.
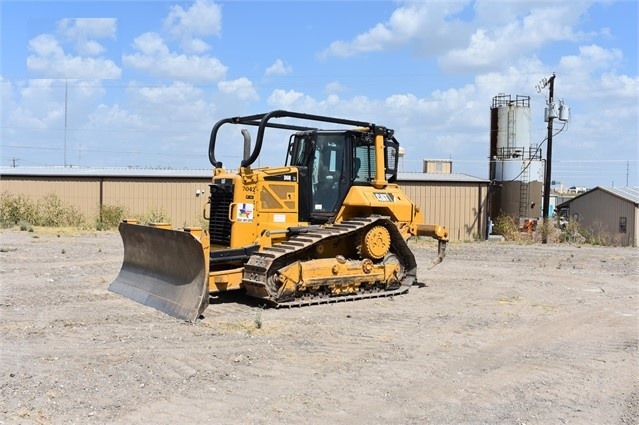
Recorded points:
(153, 215)
(572, 232)
(597, 234)
(15, 209)
(49, 211)
(52, 212)
(506, 226)
(109, 217)
(547, 230)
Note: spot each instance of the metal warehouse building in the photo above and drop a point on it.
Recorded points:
(456, 201)
(612, 210)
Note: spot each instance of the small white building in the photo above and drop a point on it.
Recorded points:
(609, 211)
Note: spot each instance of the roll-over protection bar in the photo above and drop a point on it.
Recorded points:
(262, 121)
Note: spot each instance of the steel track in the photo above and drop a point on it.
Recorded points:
(301, 247)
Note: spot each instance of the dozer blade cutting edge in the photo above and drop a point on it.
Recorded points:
(163, 269)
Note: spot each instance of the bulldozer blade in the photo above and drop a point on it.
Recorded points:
(163, 269)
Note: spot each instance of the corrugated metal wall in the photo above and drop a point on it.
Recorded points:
(178, 199)
(82, 193)
(438, 166)
(175, 198)
(601, 210)
(460, 207)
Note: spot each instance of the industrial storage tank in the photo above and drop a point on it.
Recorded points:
(516, 168)
(512, 121)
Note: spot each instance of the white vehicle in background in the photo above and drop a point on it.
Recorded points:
(578, 189)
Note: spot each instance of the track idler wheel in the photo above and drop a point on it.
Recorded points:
(375, 243)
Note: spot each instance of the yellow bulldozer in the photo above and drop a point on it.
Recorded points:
(329, 225)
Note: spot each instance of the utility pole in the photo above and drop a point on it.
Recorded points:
(551, 114)
(65, 121)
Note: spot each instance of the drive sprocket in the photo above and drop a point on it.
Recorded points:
(375, 243)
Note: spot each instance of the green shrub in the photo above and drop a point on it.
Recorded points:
(52, 212)
(153, 215)
(109, 217)
(572, 232)
(597, 234)
(15, 209)
(506, 226)
(547, 230)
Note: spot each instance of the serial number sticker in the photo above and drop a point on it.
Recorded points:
(384, 197)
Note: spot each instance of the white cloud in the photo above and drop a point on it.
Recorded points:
(203, 18)
(590, 58)
(153, 55)
(195, 45)
(496, 45)
(155, 58)
(48, 56)
(41, 107)
(90, 48)
(114, 115)
(382, 36)
(333, 99)
(49, 59)
(46, 45)
(151, 44)
(278, 68)
(241, 87)
(282, 99)
(177, 109)
(83, 32)
(426, 27)
(177, 92)
(622, 87)
(498, 34)
(84, 28)
(334, 87)
(38, 108)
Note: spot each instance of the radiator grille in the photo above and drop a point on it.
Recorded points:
(220, 225)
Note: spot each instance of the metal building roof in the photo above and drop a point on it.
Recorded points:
(189, 173)
(439, 177)
(628, 193)
(103, 172)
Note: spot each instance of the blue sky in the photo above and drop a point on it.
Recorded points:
(141, 83)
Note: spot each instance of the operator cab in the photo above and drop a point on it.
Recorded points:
(329, 164)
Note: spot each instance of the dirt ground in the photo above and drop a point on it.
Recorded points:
(497, 334)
